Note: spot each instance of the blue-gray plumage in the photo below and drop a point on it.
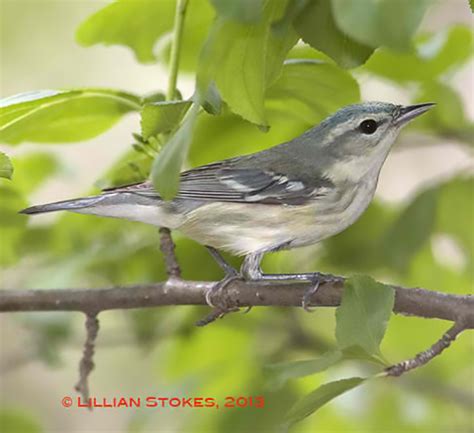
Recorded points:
(293, 194)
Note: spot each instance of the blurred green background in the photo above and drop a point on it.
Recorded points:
(418, 232)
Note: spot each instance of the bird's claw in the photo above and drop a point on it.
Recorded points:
(216, 291)
(315, 282)
(223, 304)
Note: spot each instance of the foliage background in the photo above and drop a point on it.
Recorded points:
(417, 233)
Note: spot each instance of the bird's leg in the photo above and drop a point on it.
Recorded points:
(231, 274)
(217, 256)
(251, 271)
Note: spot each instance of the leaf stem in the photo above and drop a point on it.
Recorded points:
(181, 6)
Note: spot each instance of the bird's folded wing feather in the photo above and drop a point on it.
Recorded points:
(224, 182)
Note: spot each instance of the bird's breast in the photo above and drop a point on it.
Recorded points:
(243, 228)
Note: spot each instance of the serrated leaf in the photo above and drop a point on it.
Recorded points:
(431, 57)
(62, 116)
(315, 25)
(6, 167)
(233, 60)
(242, 60)
(312, 402)
(362, 317)
(371, 22)
(280, 373)
(311, 90)
(162, 117)
(167, 165)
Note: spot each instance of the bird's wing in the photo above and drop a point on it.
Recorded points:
(226, 182)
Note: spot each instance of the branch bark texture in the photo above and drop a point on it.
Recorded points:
(414, 301)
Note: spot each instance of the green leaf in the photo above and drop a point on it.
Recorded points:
(362, 317)
(318, 398)
(167, 165)
(62, 116)
(232, 58)
(140, 24)
(242, 59)
(162, 117)
(281, 38)
(371, 22)
(311, 90)
(280, 373)
(131, 168)
(315, 24)
(134, 23)
(246, 11)
(18, 421)
(6, 167)
(410, 231)
(432, 56)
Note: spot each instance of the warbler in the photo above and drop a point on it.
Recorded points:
(291, 195)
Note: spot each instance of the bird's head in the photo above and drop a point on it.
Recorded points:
(358, 137)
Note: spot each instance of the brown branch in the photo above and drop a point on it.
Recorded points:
(427, 355)
(414, 302)
(167, 247)
(87, 364)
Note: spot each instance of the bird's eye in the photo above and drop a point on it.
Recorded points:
(368, 126)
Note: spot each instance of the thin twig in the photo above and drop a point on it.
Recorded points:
(166, 242)
(178, 27)
(168, 247)
(427, 355)
(87, 364)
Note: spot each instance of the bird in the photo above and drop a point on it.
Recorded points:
(294, 194)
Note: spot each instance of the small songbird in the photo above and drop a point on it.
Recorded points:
(294, 194)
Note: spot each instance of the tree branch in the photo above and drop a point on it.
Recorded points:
(87, 364)
(427, 355)
(413, 302)
(167, 247)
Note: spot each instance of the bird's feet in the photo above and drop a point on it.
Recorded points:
(251, 271)
(216, 296)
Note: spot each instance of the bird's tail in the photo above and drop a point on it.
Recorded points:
(71, 205)
(115, 204)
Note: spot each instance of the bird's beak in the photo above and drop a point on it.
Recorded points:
(409, 112)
